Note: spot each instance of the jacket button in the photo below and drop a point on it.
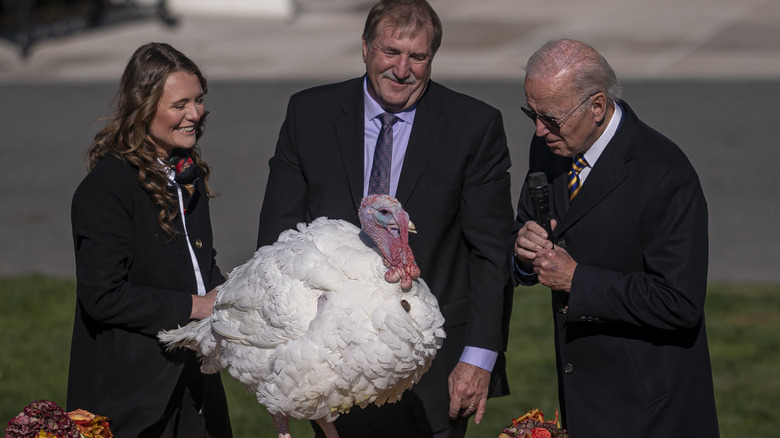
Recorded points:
(561, 243)
(198, 244)
(568, 368)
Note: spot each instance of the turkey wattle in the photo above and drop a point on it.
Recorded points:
(327, 318)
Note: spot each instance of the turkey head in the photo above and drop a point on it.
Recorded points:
(388, 225)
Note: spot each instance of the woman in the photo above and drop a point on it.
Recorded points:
(144, 257)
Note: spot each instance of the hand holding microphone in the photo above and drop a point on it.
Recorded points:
(531, 237)
(554, 268)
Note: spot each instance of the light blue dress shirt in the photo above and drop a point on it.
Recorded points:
(480, 357)
(401, 131)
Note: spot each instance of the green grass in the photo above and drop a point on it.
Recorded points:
(743, 326)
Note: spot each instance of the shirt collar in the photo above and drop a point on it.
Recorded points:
(372, 108)
(593, 154)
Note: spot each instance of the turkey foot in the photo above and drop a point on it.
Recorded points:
(282, 425)
(327, 427)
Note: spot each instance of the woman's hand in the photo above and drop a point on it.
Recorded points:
(203, 305)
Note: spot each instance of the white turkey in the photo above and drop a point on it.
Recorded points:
(327, 318)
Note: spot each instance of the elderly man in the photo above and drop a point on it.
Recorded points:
(444, 156)
(626, 259)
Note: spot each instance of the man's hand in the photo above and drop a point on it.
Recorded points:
(468, 391)
(555, 268)
(530, 240)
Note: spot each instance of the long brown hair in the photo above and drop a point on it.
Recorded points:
(126, 133)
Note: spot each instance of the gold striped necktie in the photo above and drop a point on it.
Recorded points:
(574, 176)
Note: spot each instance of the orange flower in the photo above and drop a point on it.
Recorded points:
(91, 425)
(533, 425)
(540, 432)
(81, 415)
(535, 414)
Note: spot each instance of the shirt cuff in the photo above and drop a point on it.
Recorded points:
(522, 277)
(479, 357)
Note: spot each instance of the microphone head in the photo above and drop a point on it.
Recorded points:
(537, 180)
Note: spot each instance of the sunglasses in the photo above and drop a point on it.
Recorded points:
(553, 122)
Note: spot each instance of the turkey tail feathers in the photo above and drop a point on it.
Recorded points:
(195, 336)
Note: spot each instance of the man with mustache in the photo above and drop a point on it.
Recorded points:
(444, 156)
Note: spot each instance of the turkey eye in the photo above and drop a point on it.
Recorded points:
(405, 305)
(384, 211)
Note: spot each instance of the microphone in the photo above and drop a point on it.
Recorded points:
(539, 189)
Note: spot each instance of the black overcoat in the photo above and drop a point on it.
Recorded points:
(630, 338)
(134, 280)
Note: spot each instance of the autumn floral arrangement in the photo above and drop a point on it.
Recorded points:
(45, 419)
(532, 425)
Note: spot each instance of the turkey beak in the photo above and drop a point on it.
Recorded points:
(412, 228)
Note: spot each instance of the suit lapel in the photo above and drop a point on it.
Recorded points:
(560, 188)
(428, 124)
(608, 173)
(350, 140)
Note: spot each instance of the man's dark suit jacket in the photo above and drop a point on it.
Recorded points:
(455, 186)
(630, 338)
(133, 280)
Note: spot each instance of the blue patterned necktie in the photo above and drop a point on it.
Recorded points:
(574, 176)
(383, 157)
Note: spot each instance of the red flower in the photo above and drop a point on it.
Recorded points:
(533, 425)
(41, 416)
(45, 419)
(540, 432)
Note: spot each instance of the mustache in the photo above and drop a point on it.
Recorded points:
(388, 74)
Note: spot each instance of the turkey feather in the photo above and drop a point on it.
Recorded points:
(329, 317)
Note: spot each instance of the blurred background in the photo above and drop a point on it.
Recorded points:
(705, 73)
